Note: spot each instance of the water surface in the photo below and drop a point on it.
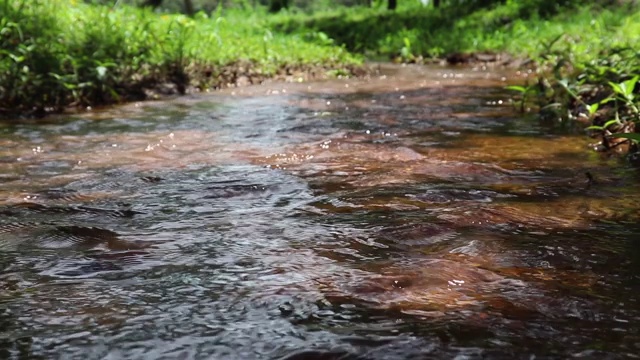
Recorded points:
(409, 215)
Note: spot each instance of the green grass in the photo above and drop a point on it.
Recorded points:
(584, 50)
(56, 53)
(517, 27)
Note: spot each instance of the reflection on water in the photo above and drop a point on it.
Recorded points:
(406, 216)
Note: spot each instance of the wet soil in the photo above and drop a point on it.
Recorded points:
(408, 215)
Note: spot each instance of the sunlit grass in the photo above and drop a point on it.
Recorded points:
(581, 51)
(61, 52)
(514, 28)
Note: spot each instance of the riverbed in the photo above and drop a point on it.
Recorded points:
(412, 214)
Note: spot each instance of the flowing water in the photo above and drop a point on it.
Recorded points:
(410, 215)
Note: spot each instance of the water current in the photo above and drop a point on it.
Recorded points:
(413, 214)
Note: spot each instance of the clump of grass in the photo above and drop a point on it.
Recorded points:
(57, 53)
(590, 71)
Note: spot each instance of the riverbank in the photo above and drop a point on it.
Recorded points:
(585, 58)
(63, 53)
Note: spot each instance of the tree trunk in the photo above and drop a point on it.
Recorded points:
(188, 7)
(277, 5)
(436, 3)
(392, 4)
(153, 3)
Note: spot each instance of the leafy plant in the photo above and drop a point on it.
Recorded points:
(624, 93)
(405, 52)
(523, 91)
(631, 136)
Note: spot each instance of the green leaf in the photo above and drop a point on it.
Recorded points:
(629, 86)
(521, 89)
(550, 44)
(593, 108)
(631, 136)
(610, 122)
(407, 42)
(595, 127)
(617, 88)
(604, 101)
(17, 59)
(564, 83)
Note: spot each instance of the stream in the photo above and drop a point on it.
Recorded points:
(413, 214)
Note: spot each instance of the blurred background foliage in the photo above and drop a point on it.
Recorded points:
(541, 7)
(209, 6)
